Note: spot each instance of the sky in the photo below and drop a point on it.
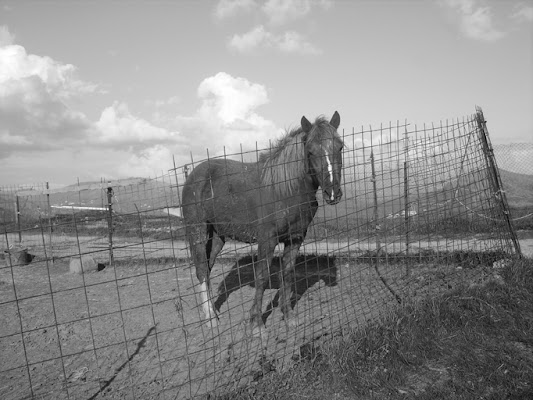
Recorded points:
(115, 89)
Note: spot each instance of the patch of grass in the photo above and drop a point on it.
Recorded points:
(471, 343)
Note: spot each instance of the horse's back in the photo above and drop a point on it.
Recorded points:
(221, 191)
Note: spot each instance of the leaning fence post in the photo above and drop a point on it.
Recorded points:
(176, 178)
(110, 222)
(378, 228)
(495, 178)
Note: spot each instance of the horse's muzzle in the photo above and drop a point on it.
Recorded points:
(332, 197)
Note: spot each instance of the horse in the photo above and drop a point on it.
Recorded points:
(308, 270)
(267, 202)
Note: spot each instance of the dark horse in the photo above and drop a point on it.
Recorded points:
(269, 202)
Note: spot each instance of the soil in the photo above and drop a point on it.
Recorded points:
(136, 330)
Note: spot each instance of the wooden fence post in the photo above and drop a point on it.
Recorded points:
(495, 179)
(375, 190)
(79, 192)
(17, 216)
(406, 217)
(50, 223)
(110, 222)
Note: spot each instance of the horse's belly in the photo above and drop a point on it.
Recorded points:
(245, 228)
(241, 233)
(246, 216)
(234, 221)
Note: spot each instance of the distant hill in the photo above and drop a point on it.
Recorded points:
(358, 197)
(515, 157)
(129, 195)
(518, 188)
(149, 194)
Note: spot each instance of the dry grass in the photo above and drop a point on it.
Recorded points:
(475, 342)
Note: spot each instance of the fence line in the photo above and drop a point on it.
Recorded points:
(109, 303)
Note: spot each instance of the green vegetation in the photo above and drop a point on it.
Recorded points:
(522, 218)
(475, 342)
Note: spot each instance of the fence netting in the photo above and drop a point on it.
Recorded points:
(99, 295)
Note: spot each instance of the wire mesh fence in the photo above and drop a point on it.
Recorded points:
(100, 296)
(516, 163)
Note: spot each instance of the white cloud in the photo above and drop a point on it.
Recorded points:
(39, 121)
(227, 117)
(523, 13)
(170, 102)
(475, 21)
(34, 95)
(119, 128)
(6, 37)
(151, 161)
(229, 8)
(59, 79)
(282, 11)
(288, 42)
(479, 25)
(276, 13)
(250, 40)
(35, 114)
(294, 42)
(230, 98)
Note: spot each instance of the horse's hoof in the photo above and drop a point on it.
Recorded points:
(292, 322)
(212, 323)
(259, 332)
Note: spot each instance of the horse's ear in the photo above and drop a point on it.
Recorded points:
(335, 120)
(306, 125)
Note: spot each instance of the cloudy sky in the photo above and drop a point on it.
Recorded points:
(114, 89)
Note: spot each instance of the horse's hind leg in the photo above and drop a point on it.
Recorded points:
(265, 255)
(290, 252)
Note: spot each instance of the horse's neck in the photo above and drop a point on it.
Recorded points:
(304, 185)
(310, 184)
(306, 188)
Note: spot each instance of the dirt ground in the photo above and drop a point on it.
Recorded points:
(136, 330)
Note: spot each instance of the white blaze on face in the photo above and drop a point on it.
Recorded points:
(330, 170)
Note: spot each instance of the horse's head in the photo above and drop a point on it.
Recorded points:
(323, 147)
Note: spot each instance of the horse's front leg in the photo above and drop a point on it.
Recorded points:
(262, 273)
(204, 247)
(290, 253)
(213, 246)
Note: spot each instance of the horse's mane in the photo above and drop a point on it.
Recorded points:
(285, 164)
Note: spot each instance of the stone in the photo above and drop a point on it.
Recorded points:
(81, 264)
(17, 256)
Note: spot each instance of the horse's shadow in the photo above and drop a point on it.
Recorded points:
(309, 269)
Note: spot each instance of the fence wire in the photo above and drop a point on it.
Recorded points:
(99, 295)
